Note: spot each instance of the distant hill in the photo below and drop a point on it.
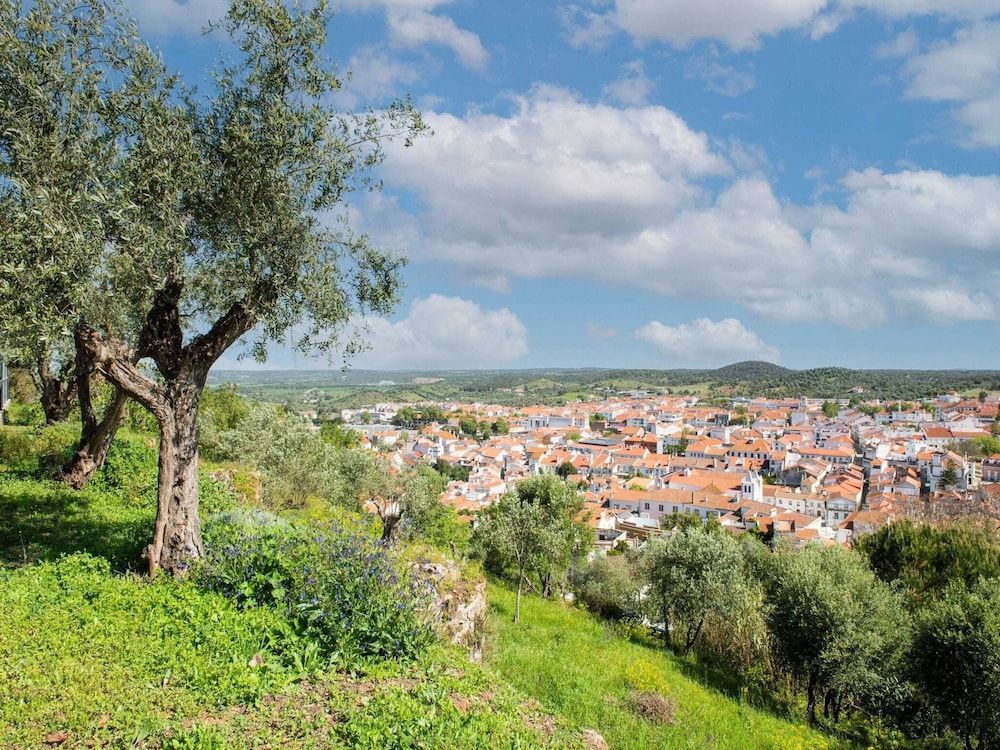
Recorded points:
(752, 370)
(332, 390)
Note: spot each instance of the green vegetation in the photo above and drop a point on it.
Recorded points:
(592, 674)
(92, 657)
(226, 658)
(532, 531)
(926, 560)
(334, 390)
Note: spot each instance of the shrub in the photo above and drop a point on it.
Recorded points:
(609, 587)
(654, 707)
(36, 451)
(26, 415)
(130, 468)
(340, 586)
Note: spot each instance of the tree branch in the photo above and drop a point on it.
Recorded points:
(113, 362)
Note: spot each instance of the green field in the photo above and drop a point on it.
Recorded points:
(580, 668)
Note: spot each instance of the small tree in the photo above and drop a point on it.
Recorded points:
(949, 477)
(531, 531)
(565, 469)
(692, 574)
(610, 586)
(831, 409)
(468, 426)
(956, 661)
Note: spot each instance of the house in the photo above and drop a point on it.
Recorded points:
(991, 468)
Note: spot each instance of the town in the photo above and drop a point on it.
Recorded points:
(795, 469)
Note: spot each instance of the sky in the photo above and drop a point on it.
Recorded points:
(672, 183)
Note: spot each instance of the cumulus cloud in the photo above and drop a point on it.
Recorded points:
(414, 29)
(413, 23)
(706, 342)
(633, 197)
(742, 25)
(445, 333)
(946, 305)
(963, 71)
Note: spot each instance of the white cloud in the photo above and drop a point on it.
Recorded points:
(633, 87)
(445, 333)
(739, 24)
(374, 74)
(167, 17)
(600, 331)
(964, 71)
(415, 29)
(742, 25)
(706, 342)
(562, 188)
(946, 305)
(586, 28)
(412, 23)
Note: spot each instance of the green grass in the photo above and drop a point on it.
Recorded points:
(118, 661)
(42, 520)
(576, 666)
(95, 656)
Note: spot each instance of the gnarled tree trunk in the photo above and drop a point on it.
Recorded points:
(177, 534)
(96, 435)
(95, 440)
(57, 390)
(174, 403)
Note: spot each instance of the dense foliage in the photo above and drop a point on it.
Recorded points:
(344, 591)
(926, 560)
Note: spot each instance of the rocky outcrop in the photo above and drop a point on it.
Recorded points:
(458, 603)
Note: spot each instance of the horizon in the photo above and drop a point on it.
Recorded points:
(623, 368)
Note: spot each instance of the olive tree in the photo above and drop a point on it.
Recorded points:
(67, 70)
(692, 574)
(532, 530)
(834, 624)
(211, 220)
(956, 661)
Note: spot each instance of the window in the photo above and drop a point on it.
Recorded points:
(661, 509)
(647, 506)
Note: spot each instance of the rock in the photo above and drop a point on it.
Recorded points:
(458, 603)
(592, 740)
(56, 738)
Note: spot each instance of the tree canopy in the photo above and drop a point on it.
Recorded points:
(154, 223)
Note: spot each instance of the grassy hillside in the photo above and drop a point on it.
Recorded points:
(576, 666)
(95, 655)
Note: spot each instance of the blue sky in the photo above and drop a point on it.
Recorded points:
(668, 183)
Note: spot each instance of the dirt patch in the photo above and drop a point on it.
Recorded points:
(654, 707)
